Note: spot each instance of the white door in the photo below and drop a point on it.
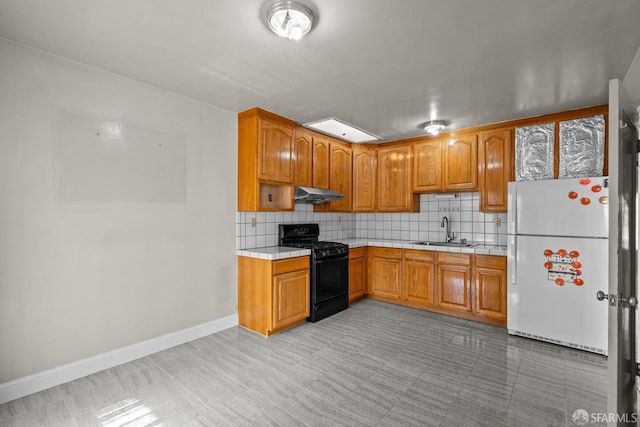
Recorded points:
(551, 293)
(622, 255)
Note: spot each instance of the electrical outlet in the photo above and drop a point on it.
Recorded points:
(339, 219)
(498, 222)
(253, 222)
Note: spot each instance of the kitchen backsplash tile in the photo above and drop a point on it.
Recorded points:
(463, 213)
(265, 232)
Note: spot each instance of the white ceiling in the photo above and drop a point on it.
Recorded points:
(384, 66)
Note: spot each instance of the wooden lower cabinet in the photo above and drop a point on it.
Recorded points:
(462, 285)
(453, 281)
(490, 287)
(290, 298)
(385, 273)
(418, 277)
(272, 295)
(357, 274)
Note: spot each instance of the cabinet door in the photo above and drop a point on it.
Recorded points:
(394, 179)
(495, 169)
(418, 282)
(490, 290)
(460, 163)
(453, 287)
(491, 293)
(427, 166)
(357, 277)
(385, 273)
(340, 181)
(290, 298)
(364, 180)
(275, 152)
(320, 162)
(304, 158)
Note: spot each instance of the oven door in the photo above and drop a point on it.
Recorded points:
(330, 278)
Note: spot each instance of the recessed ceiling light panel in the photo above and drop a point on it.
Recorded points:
(289, 19)
(342, 130)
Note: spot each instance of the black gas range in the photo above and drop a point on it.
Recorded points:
(329, 268)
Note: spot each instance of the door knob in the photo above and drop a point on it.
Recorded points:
(632, 301)
(601, 296)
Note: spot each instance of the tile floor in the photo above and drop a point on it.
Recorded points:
(374, 364)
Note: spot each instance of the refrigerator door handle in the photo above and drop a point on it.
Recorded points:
(511, 258)
(511, 207)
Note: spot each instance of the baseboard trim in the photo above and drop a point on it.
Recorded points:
(52, 377)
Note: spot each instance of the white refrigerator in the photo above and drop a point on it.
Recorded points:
(557, 260)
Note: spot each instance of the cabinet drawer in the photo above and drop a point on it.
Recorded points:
(386, 253)
(357, 252)
(291, 264)
(491, 261)
(415, 255)
(453, 258)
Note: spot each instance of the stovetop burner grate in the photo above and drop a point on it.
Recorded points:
(315, 245)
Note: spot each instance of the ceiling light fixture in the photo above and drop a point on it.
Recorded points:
(289, 19)
(434, 127)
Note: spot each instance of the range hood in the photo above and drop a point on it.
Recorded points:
(316, 195)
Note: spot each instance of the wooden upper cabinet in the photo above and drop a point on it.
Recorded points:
(364, 179)
(265, 161)
(394, 189)
(460, 160)
(304, 157)
(321, 152)
(340, 176)
(495, 169)
(427, 166)
(275, 152)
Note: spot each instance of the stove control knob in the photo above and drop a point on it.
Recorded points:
(323, 253)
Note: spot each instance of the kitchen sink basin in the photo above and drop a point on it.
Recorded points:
(447, 244)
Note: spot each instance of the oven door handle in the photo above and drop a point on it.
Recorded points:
(338, 257)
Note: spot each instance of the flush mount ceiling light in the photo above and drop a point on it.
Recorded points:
(289, 19)
(434, 127)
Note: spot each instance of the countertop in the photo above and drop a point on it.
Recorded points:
(281, 252)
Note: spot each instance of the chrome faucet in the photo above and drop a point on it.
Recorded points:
(445, 223)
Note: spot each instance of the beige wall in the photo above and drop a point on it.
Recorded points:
(80, 278)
